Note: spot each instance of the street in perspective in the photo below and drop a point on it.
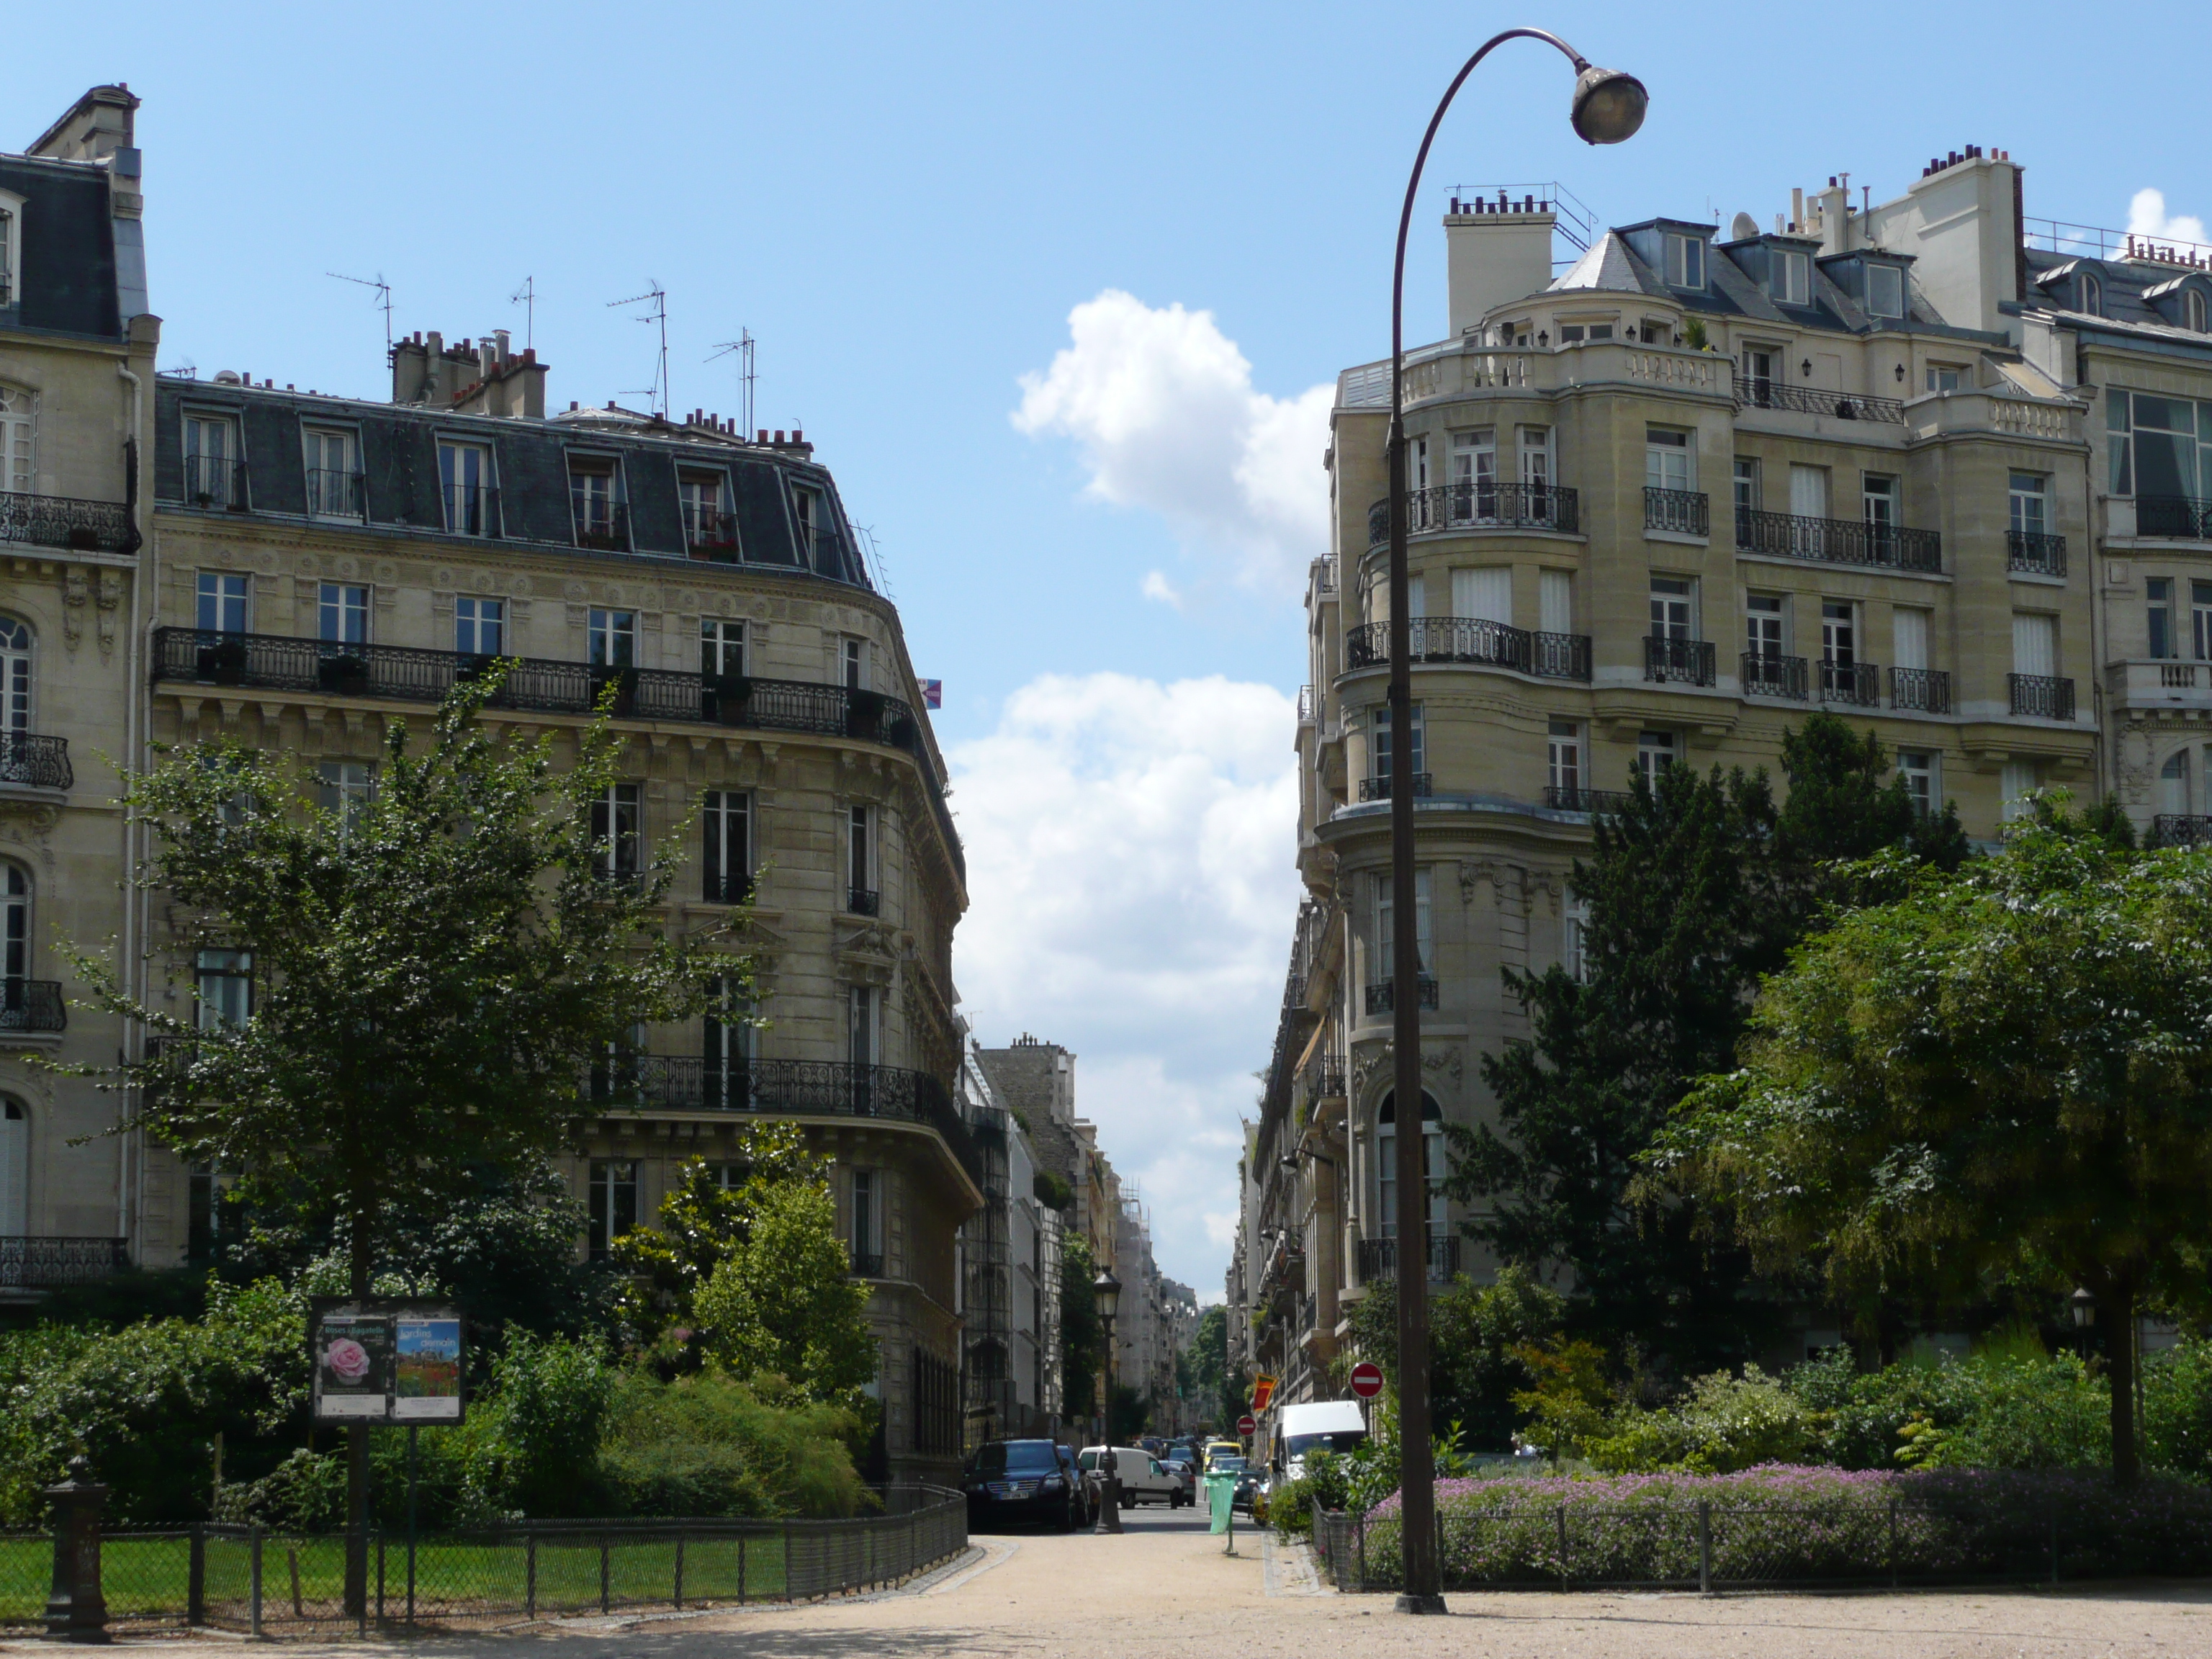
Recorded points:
(555, 896)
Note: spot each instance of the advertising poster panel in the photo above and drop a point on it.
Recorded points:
(350, 1345)
(382, 1360)
(427, 1366)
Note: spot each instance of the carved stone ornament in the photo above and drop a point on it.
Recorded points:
(76, 589)
(111, 604)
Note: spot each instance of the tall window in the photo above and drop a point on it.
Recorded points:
(1385, 923)
(867, 1246)
(807, 511)
(615, 825)
(465, 481)
(210, 461)
(613, 639)
(1917, 769)
(1670, 608)
(18, 474)
(1908, 634)
(2161, 448)
(1808, 491)
(333, 474)
(343, 614)
(1566, 759)
(1555, 601)
(226, 989)
(480, 626)
(1536, 456)
(15, 929)
(1762, 625)
(1575, 946)
(1885, 291)
(1759, 371)
(727, 1024)
(1380, 761)
(860, 849)
(2028, 504)
(1386, 1166)
(1838, 633)
(705, 524)
(1746, 484)
(2089, 295)
(853, 663)
(592, 500)
(2193, 311)
(2200, 619)
(1654, 753)
(861, 1024)
(14, 1167)
(2016, 782)
(345, 788)
(1484, 593)
(722, 648)
(1665, 458)
(1793, 277)
(221, 603)
(2173, 784)
(14, 675)
(1474, 475)
(613, 1202)
(1878, 502)
(726, 817)
(2035, 642)
(1686, 261)
(8, 257)
(2158, 615)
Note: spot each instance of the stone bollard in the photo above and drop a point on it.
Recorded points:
(76, 1612)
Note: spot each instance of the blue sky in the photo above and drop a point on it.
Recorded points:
(906, 205)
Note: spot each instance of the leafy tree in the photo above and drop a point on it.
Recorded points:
(1082, 1336)
(1476, 1333)
(436, 968)
(1209, 1368)
(2007, 1072)
(783, 1303)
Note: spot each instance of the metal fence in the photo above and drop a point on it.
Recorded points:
(1732, 1544)
(261, 1583)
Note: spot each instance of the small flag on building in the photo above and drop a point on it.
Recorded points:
(933, 694)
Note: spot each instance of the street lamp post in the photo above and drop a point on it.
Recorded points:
(1608, 107)
(1106, 1289)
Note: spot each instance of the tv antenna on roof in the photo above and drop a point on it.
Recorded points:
(657, 297)
(383, 297)
(526, 297)
(742, 346)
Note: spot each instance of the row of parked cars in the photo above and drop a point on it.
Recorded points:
(1045, 1482)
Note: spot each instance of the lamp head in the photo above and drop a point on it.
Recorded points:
(1609, 105)
(1107, 1291)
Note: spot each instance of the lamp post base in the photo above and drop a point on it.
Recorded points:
(1419, 1604)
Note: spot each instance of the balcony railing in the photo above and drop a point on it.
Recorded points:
(1376, 1260)
(1325, 1081)
(39, 763)
(711, 534)
(215, 481)
(603, 526)
(1473, 640)
(2177, 517)
(1923, 690)
(63, 521)
(1382, 996)
(2035, 554)
(32, 1005)
(404, 674)
(2181, 830)
(728, 890)
(1838, 541)
(472, 510)
(796, 1088)
(1685, 512)
(333, 495)
(1686, 662)
(1758, 391)
(1858, 683)
(1775, 676)
(1379, 788)
(1479, 507)
(862, 902)
(867, 1264)
(1572, 798)
(39, 1264)
(2042, 697)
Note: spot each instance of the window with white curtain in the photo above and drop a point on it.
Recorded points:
(2034, 643)
(1486, 593)
(2016, 782)
(1908, 637)
(2173, 784)
(1555, 596)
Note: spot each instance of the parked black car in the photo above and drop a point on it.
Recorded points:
(1022, 1480)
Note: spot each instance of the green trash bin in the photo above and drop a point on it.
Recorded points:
(1220, 1496)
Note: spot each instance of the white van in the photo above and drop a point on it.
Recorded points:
(1333, 1426)
(1143, 1478)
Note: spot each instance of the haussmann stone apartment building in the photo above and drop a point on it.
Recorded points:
(1937, 466)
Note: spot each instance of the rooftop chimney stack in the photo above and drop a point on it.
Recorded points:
(1495, 254)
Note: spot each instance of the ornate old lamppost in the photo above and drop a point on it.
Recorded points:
(1106, 1290)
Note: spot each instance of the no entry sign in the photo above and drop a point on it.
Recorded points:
(1367, 1379)
(1247, 1425)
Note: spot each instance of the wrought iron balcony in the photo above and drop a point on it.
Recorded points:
(63, 521)
(710, 535)
(40, 1264)
(1765, 675)
(1572, 798)
(1379, 788)
(2035, 554)
(601, 526)
(32, 1005)
(1858, 683)
(2181, 830)
(867, 1264)
(1838, 541)
(472, 510)
(2041, 696)
(862, 902)
(332, 495)
(1685, 512)
(2175, 518)
(1325, 1081)
(1758, 391)
(1382, 996)
(1479, 507)
(727, 889)
(1923, 690)
(1686, 662)
(792, 1088)
(38, 762)
(1473, 640)
(215, 481)
(1376, 1260)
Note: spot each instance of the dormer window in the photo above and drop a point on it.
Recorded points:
(2193, 311)
(1885, 286)
(1792, 278)
(10, 253)
(1686, 261)
(600, 520)
(2089, 295)
(708, 529)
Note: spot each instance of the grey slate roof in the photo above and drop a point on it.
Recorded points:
(67, 284)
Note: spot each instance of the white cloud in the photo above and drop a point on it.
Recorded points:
(2147, 216)
(1132, 894)
(1162, 404)
(1157, 586)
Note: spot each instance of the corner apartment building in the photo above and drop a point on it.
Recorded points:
(1664, 503)
(76, 395)
(1009, 1275)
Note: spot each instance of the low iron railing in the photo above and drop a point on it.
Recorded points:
(1760, 392)
(1473, 640)
(1382, 998)
(1765, 675)
(470, 509)
(32, 1005)
(64, 521)
(1379, 788)
(603, 526)
(1480, 507)
(41, 762)
(1858, 683)
(2041, 696)
(31, 1264)
(1572, 798)
(1683, 512)
(1838, 541)
(1923, 690)
(2179, 518)
(215, 481)
(862, 902)
(2181, 830)
(1687, 662)
(1375, 1259)
(2034, 554)
(336, 495)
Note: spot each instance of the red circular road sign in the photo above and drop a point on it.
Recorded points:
(1367, 1379)
(1247, 1425)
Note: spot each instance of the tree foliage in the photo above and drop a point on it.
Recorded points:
(2004, 1072)
(783, 1303)
(1082, 1335)
(1476, 1333)
(1210, 1371)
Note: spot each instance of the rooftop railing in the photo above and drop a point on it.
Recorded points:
(1762, 391)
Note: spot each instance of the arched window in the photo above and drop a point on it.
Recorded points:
(1386, 1165)
(2192, 310)
(2089, 295)
(14, 675)
(18, 473)
(2174, 785)
(14, 1168)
